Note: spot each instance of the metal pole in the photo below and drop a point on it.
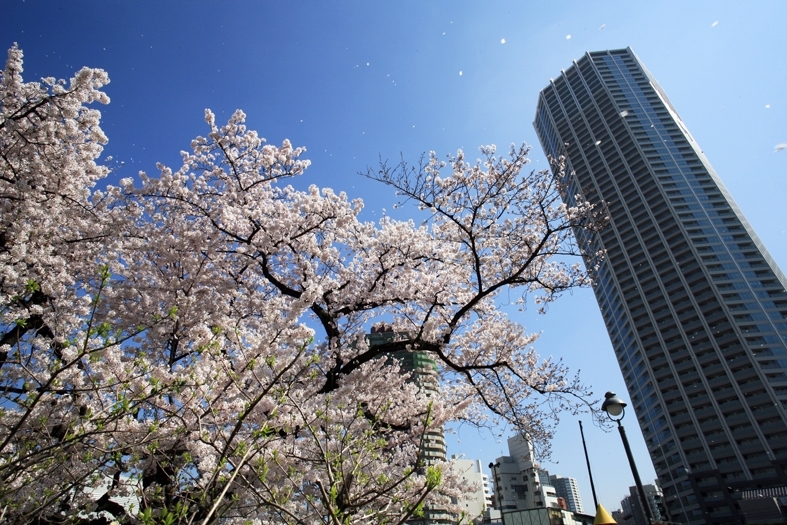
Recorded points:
(645, 505)
(498, 489)
(587, 459)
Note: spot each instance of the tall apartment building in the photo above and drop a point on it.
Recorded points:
(433, 448)
(424, 369)
(568, 489)
(694, 305)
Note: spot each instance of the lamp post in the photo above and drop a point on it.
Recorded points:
(498, 493)
(614, 406)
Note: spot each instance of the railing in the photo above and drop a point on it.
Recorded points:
(761, 493)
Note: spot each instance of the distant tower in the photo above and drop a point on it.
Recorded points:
(695, 307)
(568, 489)
(433, 448)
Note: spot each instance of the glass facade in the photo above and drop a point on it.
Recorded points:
(695, 307)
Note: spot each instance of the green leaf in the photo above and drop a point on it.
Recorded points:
(32, 286)
(434, 476)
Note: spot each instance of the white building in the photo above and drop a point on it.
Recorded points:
(476, 502)
(518, 485)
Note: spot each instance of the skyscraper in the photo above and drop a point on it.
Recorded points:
(694, 305)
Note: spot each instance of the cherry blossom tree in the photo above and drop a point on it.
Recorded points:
(191, 347)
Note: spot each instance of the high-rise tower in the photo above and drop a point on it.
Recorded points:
(424, 374)
(694, 305)
(424, 370)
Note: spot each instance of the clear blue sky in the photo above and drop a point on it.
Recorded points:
(356, 80)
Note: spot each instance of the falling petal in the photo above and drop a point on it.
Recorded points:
(602, 26)
(780, 147)
(714, 24)
(502, 40)
(624, 113)
(460, 73)
(598, 142)
(568, 37)
(767, 106)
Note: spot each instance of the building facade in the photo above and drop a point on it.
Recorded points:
(655, 498)
(518, 483)
(476, 501)
(424, 370)
(568, 489)
(694, 305)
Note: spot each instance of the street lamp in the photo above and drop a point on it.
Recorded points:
(498, 487)
(614, 406)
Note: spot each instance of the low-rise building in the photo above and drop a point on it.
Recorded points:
(475, 502)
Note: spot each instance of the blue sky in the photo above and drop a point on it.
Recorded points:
(355, 81)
